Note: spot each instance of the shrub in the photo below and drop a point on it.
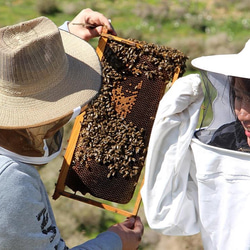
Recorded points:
(157, 13)
(47, 7)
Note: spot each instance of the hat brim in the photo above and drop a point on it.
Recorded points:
(230, 64)
(80, 85)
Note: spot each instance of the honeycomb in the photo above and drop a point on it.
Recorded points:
(112, 145)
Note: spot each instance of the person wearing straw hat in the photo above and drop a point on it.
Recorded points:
(47, 76)
(198, 180)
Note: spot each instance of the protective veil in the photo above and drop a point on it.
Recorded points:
(35, 145)
(190, 186)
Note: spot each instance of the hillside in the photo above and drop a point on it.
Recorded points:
(196, 27)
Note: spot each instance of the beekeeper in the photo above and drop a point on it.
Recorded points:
(198, 180)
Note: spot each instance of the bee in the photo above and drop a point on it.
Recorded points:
(107, 137)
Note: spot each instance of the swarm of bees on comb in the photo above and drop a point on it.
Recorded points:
(116, 126)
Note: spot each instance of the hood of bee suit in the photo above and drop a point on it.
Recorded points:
(229, 64)
(217, 70)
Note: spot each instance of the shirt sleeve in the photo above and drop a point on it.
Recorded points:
(169, 191)
(64, 26)
(26, 217)
(104, 241)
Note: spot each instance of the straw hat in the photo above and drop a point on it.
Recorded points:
(229, 65)
(44, 73)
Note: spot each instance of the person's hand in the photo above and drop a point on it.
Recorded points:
(130, 232)
(88, 24)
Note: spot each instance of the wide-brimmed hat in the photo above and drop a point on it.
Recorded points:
(44, 73)
(237, 65)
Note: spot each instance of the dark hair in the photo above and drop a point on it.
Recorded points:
(246, 85)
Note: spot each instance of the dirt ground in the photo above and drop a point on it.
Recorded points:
(156, 241)
(179, 243)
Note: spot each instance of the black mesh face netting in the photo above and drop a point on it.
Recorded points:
(216, 109)
(112, 143)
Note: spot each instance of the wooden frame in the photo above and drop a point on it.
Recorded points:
(60, 186)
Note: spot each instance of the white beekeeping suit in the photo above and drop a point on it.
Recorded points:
(191, 186)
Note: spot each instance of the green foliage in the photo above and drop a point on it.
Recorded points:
(47, 7)
(105, 220)
(155, 21)
(196, 27)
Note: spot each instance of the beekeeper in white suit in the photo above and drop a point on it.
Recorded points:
(199, 180)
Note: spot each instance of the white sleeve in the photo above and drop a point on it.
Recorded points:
(64, 26)
(169, 192)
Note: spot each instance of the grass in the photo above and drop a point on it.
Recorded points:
(193, 26)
